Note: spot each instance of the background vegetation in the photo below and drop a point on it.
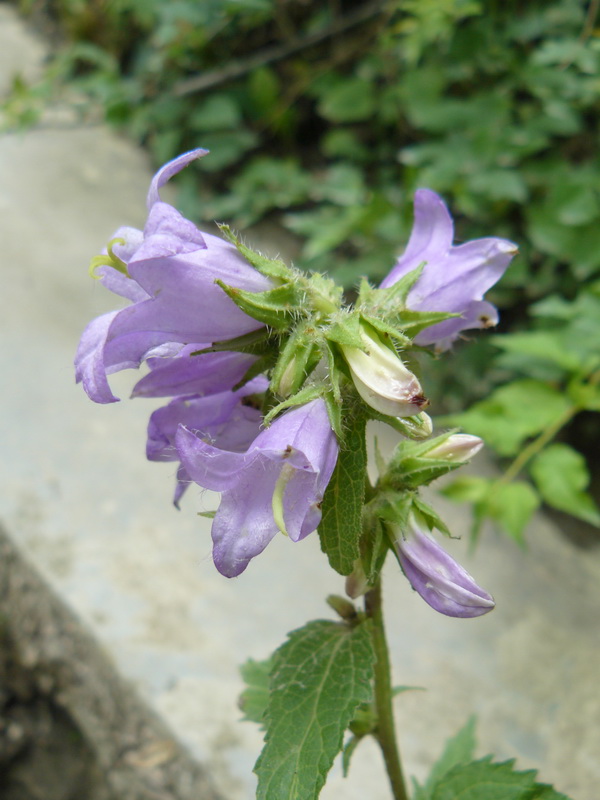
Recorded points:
(325, 116)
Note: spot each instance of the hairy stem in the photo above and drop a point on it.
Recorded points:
(385, 733)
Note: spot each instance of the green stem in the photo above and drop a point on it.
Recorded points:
(385, 733)
(533, 448)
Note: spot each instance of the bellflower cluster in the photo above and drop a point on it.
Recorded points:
(261, 363)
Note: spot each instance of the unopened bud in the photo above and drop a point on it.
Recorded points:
(382, 380)
(436, 576)
(457, 448)
(357, 583)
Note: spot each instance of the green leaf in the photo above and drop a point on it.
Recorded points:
(319, 678)
(512, 414)
(348, 101)
(512, 505)
(255, 697)
(484, 779)
(561, 475)
(467, 489)
(545, 345)
(341, 525)
(459, 750)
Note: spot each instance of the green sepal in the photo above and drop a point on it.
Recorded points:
(255, 343)
(207, 514)
(391, 299)
(394, 507)
(346, 330)
(417, 321)
(409, 466)
(389, 305)
(297, 359)
(301, 398)
(326, 296)
(387, 330)
(417, 427)
(276, 308)
(431, 518)
(270, 267)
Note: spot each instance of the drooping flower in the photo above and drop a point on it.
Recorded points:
(168, 272)
(225, 419)
(276, 485)
(382, 379)
(439, 579)
(454, 279)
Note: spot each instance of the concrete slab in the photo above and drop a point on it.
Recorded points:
(94, 520)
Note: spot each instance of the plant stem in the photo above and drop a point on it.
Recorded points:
(385, 733)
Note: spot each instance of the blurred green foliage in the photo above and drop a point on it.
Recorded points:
(331, 114)
(327, 116)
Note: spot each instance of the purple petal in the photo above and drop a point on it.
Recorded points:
(166, 172)
(89, 360)
(478, 314)
(209, 373)
(244, 524)
(431, 235)
(439, 579)
(454, 279)
(168, 233)
(222, 418)
(299, 447)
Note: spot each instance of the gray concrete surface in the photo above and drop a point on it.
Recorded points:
(95, 521)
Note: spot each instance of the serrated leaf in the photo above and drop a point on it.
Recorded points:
(561, 475)
(319, 678)
(484, 779)
(459, 750)
(341, 524)
(255, 697)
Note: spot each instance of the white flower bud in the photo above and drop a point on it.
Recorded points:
(457, 448)
(382, 380)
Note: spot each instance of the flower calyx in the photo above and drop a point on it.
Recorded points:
(416, 464)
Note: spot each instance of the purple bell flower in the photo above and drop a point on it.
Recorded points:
(168, 273)
(454, 279)
(438, 578)
(277, 484)
(226, 419)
